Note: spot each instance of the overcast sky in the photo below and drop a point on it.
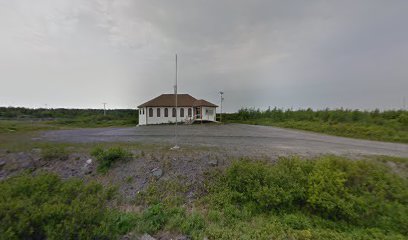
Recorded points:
(81, 53)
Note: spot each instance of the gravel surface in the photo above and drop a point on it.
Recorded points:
(238, 139)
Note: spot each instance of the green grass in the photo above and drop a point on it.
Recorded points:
(15, 127)
(391, 126)
(72, 118)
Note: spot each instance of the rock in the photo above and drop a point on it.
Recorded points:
(147, 237)
(2, 163)
(157, 172)
(182, 238)
(89, 161)
(213, 163)
(86, 169)
(36, 150)
(130, 236)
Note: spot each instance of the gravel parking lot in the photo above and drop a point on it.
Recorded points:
(239, 139)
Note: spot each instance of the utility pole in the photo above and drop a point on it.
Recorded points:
(222, 99)
(175, 126)
(104, 109)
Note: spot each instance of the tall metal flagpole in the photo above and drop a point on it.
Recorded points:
(175, 126)
(222, 99)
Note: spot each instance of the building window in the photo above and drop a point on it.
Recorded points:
(143, 111)
(166, 112)
(189, 112)
(181, 112)
(150, 112)
(174, 114)
(158, 112)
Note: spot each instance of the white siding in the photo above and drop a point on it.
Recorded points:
(162, 119)
(142, 116)
(209, 113)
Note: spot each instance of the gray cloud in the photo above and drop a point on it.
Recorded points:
(316, 54)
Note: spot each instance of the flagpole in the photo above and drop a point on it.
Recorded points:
(175, 126)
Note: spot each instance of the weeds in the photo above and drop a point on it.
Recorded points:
(106, 158)
(54, 152)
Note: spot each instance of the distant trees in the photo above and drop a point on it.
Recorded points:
(326, 115)
(390, 125)
(19, 112)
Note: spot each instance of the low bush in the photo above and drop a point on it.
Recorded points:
(54, 152)
(45, 207)
(171, 193)
(106, 158)
(362, 193)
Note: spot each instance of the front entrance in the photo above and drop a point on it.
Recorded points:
(197, 114)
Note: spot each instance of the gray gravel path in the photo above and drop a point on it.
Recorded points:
(239, 138)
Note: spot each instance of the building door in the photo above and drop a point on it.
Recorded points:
(197, 113)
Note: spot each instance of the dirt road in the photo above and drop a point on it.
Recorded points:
(237, 138)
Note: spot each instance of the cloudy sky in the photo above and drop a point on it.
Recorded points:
(81, 53)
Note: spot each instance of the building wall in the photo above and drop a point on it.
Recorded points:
(162, 119)
(142, 116)
(208, 113)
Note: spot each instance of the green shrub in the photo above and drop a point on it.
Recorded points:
(123, 223)
(326, 198)
(362, 193)
(297, 221)
(170, 192)
(106, 158)
(194, 223)
(327, 192)
(45, 207)
(153, 219)
(268, 188)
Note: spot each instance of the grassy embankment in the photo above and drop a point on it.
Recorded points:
(389, 126)
(325, 198)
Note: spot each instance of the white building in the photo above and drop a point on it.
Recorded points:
(162, 109)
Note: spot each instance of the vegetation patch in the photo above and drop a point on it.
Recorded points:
(45, 207)
(325, 198)
(106, 158)
(14, 126)
(328, 197)
(42, 118)
(389, 125)
(54, 152)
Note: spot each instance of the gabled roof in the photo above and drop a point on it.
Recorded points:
(202, 102)
(183, 100)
